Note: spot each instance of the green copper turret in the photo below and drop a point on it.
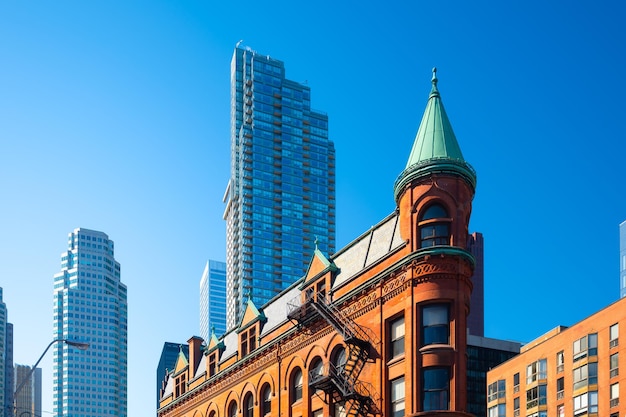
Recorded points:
(435, 149)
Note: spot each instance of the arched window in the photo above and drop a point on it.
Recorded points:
(339, 359)
(266, 400)
(232, 409)
(296, 385)
(248, 406)
(316, 370)
(434, 226)
(212, 414)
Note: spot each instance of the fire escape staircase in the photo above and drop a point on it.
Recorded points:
(341, 380)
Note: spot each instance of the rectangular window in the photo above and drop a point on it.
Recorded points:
(614, 359)
(560, 361)
(435, 324)
(436, 389)
(497, 411)
(516, 407)
(586, 403)
(212, 364)
(516, 382)
(560, 411)
(615, 395)
(396, 334)
(397, 397)
(560, 388)
(532, 398)
(537, 370)
(585, 346)
(585, 375)
(496, 390)
(614, 335)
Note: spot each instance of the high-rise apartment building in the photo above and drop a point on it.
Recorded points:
(213, 299)
(90, 306)
(622, 259)
(280, 199)
(28, 400)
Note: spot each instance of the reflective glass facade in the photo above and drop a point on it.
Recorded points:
(90, 305)
(213, 300)
(280, 198)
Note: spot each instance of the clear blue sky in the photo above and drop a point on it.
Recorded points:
(114, 116)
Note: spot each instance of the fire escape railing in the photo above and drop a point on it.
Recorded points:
(341, 380)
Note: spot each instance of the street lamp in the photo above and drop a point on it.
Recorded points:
(79, 345)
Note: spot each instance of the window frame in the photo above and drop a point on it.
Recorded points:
(436, 336)
(435, 394)
(437, 225)
(296, 382)
(397, 395)
(396, 342)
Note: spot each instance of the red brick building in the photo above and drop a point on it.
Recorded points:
(378, 328)
(566, 372)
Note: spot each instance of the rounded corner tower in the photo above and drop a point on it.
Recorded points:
(434, 196)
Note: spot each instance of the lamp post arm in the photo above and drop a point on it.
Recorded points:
(19, 387)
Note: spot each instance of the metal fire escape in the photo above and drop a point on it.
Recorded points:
(341, 381)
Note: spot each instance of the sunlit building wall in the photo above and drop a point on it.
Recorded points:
(90, 306)
(213, 299)
(28, 400)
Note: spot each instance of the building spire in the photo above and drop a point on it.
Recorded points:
(435, 148)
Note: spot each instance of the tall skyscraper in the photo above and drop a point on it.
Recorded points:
(90, 305)
(622, 259)
(280, 199)
(28, 400)
(213, 299)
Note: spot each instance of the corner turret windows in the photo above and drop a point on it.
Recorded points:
(434, 226)
(435, 324)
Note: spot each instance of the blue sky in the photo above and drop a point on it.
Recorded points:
(114, 116)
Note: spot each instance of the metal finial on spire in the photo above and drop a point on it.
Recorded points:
(316, 241)
(434, 90)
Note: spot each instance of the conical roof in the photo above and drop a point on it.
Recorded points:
(435, 148)
(435, 137)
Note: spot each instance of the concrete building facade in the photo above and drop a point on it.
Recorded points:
(378, 328)
(571, 371)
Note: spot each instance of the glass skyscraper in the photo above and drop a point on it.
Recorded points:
(622, 259)
(280, 199)
(90, 306)
(213, 300)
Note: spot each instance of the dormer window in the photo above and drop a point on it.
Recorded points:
(248, 341)
(434, 226)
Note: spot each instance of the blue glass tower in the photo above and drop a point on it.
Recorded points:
(213, 300)
(281, 195)
(90, 306)
(622, 259)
